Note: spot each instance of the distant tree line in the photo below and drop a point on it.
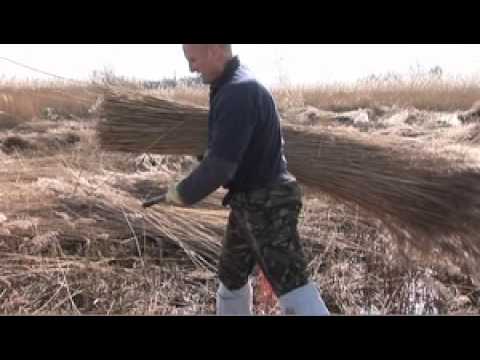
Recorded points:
(416, 73)
(108, 77)
(168, 83)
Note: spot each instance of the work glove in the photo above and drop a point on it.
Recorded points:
(173, 197)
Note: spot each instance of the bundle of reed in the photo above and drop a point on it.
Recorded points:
(93, 207)
(196, 231)
(428, 197)
(146, 124)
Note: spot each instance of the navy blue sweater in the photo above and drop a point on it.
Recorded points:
(245, 143)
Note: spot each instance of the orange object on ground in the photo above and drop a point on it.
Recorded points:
(265, 293)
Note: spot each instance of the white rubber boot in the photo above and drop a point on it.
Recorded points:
(236, 302)
(304, 301)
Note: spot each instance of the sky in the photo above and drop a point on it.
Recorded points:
(295, 64)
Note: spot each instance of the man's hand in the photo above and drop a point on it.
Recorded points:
(173, 197)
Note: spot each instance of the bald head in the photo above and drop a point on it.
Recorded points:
(208, 59)
(227, 48)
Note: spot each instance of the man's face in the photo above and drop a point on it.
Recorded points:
(205, 60)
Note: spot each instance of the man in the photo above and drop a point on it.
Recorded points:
(245, 155)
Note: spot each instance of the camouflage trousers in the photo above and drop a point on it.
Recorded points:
(262, 229)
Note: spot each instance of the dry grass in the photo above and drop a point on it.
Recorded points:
(426, 94)
(25, 103)
(27, 100)
(73, 239)
(423, 94)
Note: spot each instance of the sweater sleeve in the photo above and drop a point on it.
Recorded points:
(205, 179)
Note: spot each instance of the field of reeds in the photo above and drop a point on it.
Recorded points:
(74, 238)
